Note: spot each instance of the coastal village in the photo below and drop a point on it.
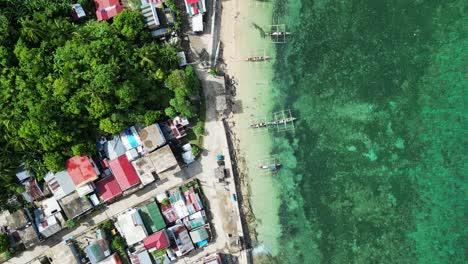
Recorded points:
(149, 195)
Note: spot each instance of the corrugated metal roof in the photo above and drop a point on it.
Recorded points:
(95, 252)
(108, 188)
(124, 172)
(199, 235)
(81, 170)
(150, 15)
(114, 148)
(157, 240)
(152, 218)
(60, 184)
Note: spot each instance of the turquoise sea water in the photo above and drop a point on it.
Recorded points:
(376, 169)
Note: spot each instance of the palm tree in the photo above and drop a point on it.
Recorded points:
(31, 30)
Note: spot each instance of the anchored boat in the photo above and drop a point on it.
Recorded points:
(270, 166)
(282, 121)
(278, 33)
(257, 58)
(258, 125)
(275, 122)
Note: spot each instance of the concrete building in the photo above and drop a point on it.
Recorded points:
(164, 160)
(74, 206)
(131, 227)
(152, 137)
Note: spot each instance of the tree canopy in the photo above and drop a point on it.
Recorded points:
(64, 82)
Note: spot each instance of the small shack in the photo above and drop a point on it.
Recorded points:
(47, 225)
(220, 173)
(182, 242)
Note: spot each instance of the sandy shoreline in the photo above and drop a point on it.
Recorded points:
(249, 98)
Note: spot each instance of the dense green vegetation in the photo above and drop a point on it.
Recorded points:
(64, 82)
(4, 244)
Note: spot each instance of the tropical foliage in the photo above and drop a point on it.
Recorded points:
(4, 244)
(64, 82)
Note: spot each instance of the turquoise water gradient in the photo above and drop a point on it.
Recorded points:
(375, 171)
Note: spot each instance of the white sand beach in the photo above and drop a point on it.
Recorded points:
(240, 39)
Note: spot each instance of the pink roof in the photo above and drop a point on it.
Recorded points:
(192, 1)
(81, 170)
(168, 213)
(195, 9)
(191, 198)
(124, 172)
(157, 240)
(108, 188)
(106, 9)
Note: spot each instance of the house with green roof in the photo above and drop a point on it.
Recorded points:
(152, 218)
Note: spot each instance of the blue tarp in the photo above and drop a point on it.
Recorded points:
(202, 243)
(131, 138)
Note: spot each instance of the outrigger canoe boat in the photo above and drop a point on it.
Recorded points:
(276, 122)
(257, 58)
(258, 125)
(282, 121)
(272, 166)
(278, 33)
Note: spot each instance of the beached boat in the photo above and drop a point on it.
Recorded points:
(257, 58)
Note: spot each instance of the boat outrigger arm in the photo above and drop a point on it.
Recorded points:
(275, 122)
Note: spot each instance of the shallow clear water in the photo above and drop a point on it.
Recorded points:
(375, 171)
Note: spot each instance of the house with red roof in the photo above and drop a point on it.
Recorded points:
(82, 170)
(108, 188)
(158, 240)
(106, 9)
(124, 172)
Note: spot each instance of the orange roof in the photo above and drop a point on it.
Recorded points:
(81, 170)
